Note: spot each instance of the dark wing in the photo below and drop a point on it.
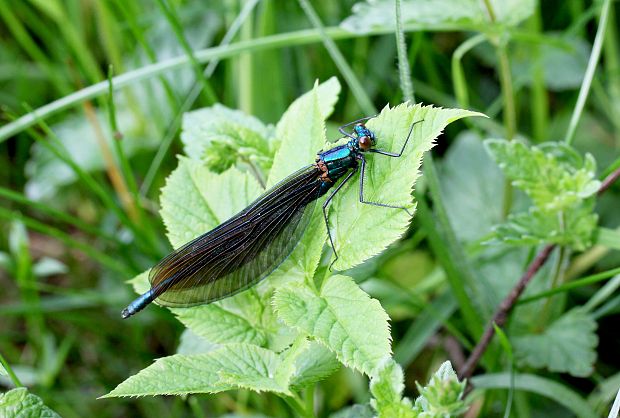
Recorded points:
(241, 251)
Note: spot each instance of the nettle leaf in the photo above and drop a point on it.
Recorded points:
(191, 343)
(387, 385)
(371, 14)
(231, 366)
(568, 345)
(442, 397)
(192, 200)
(554, 176)
(221, 137)
(361, 231)
(341, 316)
(561, 185)
(19, 403)
(574, 228)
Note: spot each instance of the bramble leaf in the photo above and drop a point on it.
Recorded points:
(192, 203)
(568, 345)
(342, 317)
(230, 366)
(221, 137)
(19, 403)
(361, 231)
(561, 185)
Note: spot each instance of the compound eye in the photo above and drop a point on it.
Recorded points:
(364, 143)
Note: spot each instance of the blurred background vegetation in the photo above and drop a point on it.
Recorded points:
(80, 173)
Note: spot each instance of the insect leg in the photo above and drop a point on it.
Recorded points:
(326, 216)
(345, 133)
(362, 200)
(393, 154)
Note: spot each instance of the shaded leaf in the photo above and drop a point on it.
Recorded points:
(568, 345)
(18, 403)
(230, 366)
(342, 317)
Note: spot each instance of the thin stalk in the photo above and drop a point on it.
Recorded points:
(590, 71)
(62, 216)
(10, 372)
(93, 253)
(173, 19)
(539, 101)
(458, 75)
(112, 170)
(302, 37)
(404, 70)
(191, 97)
(55, 146)
(446, 247)
(574, 284)
(343, 66)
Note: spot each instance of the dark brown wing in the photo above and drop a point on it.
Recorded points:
(241, 251)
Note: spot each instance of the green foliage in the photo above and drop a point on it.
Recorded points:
(560, 184)
(568, 345)
(340, 316)
(387, 386)
(18, 403)
(441, 397)
(258, 339)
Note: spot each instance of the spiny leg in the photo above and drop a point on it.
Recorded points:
(392, 154)
(367, 202)
(326, 216)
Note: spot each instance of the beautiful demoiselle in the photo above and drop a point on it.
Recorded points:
(249, 246)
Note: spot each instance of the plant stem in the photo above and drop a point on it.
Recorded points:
(345, 69)
(589, 75)
(403, 63)
(501, 314)
(10, 372)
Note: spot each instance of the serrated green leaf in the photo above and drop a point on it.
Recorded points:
(218, 325)
(301, 130)
(229, 367)
(18, 403)
(313, 365)
(361, 231)
(202, 127)
(192, 201)
(574, 228)
(553, 175)
(568, 345)
(441, 398)
(386, 386)
(380, 13)
(342, 317)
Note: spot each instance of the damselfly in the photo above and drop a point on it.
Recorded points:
(249, 246)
